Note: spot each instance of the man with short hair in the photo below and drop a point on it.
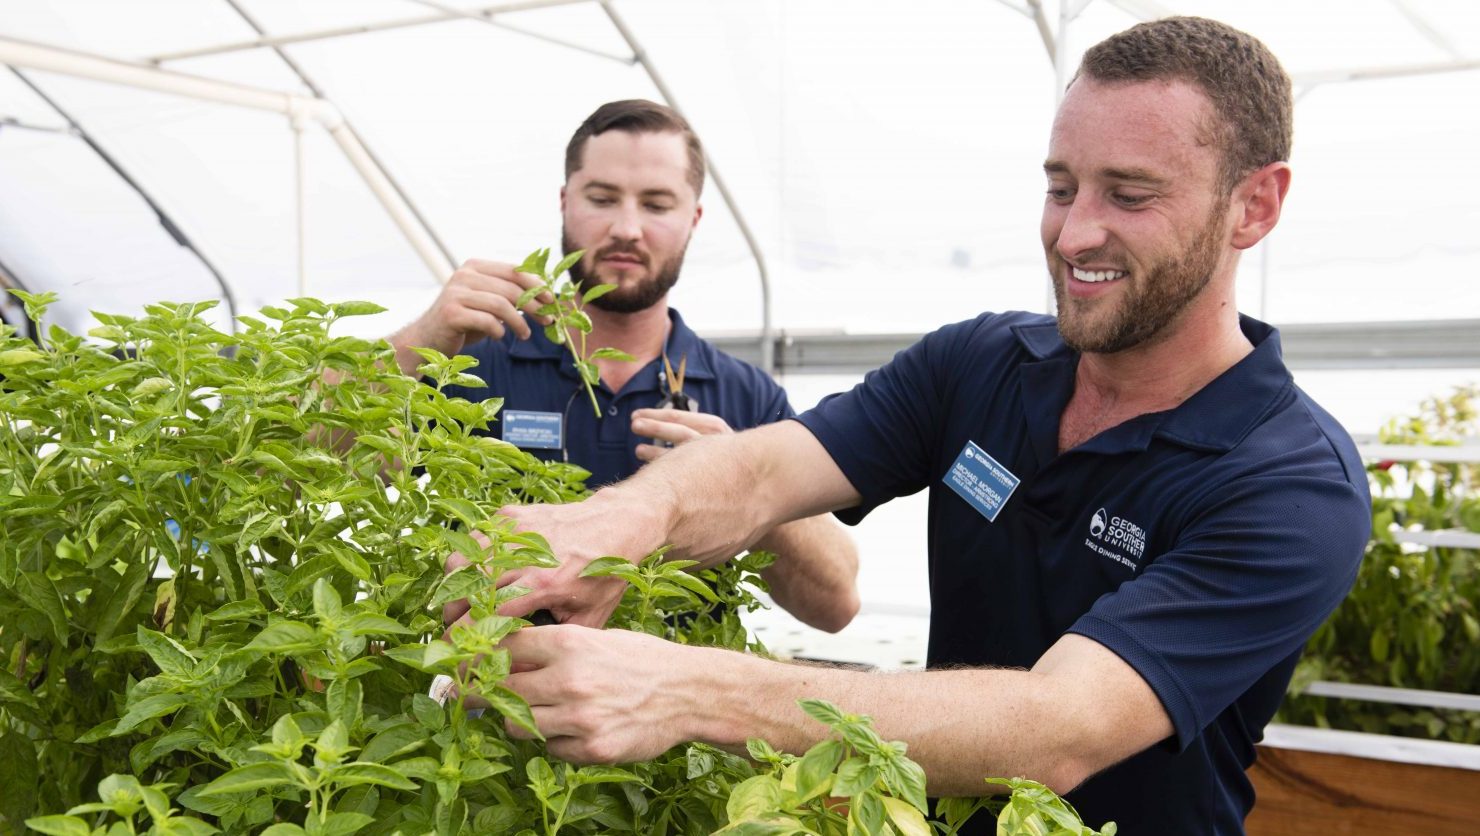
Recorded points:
(1136, 518)
(634, 172)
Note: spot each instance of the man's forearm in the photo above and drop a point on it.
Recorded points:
(815, 574)
(613, 696)
(713, 497)
(961, 726)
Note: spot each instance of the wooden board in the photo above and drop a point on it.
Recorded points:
(1316, 794)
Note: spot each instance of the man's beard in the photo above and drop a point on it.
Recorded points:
(1146, 310)
(629, 298)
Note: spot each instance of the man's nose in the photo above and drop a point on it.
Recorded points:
(1083, 229)
(627, 225)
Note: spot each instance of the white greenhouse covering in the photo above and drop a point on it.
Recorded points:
(886, 158)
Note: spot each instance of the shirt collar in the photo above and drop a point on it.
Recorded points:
(1217, 417)
(682, 342)
(1220, 415)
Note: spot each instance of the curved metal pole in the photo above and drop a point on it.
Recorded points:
(164, 219)
(10, 281)
(483, 17)
(358, 29)
(313, 88)
(768, 346)
(98, 68)
(297, 122)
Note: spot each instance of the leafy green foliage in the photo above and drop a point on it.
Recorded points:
(1413, 618)
(209, 622)
(855, 782)
(569, 322)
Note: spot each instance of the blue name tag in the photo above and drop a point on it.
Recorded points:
(981, 481)
(533, 430)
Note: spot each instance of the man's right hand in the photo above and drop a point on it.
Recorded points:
(478, 301)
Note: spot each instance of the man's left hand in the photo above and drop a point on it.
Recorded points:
(674, 426)
(601, 696)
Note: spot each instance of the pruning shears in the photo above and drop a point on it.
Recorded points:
(673, 382)
(675, 397)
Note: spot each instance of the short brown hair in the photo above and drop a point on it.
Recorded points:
(1248, 88)
(637, 116)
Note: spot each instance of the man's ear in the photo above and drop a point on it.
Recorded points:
(562, 200)
(698, 213)
(1257, 202)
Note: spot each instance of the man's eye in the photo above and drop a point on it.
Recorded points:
(1059, 194)
(1130, 199)
(601, 201)
(658, 207)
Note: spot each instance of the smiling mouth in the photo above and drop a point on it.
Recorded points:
(1097, 276)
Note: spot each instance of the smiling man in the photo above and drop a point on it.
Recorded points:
(634, 171)
(1136, 518)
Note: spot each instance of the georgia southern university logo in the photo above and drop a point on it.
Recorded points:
(1097, 523)
(1116, 538)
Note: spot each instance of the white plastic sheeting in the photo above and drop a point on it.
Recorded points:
(887, 155)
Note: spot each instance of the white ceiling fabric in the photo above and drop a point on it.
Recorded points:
(887, 156)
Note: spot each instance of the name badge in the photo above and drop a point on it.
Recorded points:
(977, 478)
(532, 430)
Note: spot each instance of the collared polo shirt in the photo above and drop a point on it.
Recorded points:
(538, 376)
(1203, 544)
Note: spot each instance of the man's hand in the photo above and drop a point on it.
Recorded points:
(478, 301)
(602, 696)
(578, 534)
(674, 426)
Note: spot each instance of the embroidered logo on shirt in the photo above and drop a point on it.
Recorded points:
(1097, 523)
(1116, 538)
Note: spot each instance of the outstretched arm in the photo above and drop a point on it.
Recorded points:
(816, 571)
(711, 499)
(613, 696)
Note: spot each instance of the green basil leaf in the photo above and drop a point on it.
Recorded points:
(250, 778)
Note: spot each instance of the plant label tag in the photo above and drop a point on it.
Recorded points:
(533, 430)
(977, 478)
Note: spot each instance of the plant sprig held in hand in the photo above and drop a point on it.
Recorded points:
(567, 313)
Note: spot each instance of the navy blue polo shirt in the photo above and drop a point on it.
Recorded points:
(1203, 544)
(539, 378)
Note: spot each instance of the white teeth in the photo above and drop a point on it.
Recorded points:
(1097, 275)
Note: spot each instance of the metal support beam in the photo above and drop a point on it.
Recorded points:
(1311, 79)
(1394, 696)
(165, 221)
(12, 122)
(1430, 344)
(483, 17)
(766, 355)
(1045, 31)
(318, 92)
(298, 123)
(1447, 538)
(1432, 453)
(19, 53)
(1430, 32)
(359, 29)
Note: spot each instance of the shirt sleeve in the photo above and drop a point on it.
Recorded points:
(883, 433)
(773, 405)
(1266, 560)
